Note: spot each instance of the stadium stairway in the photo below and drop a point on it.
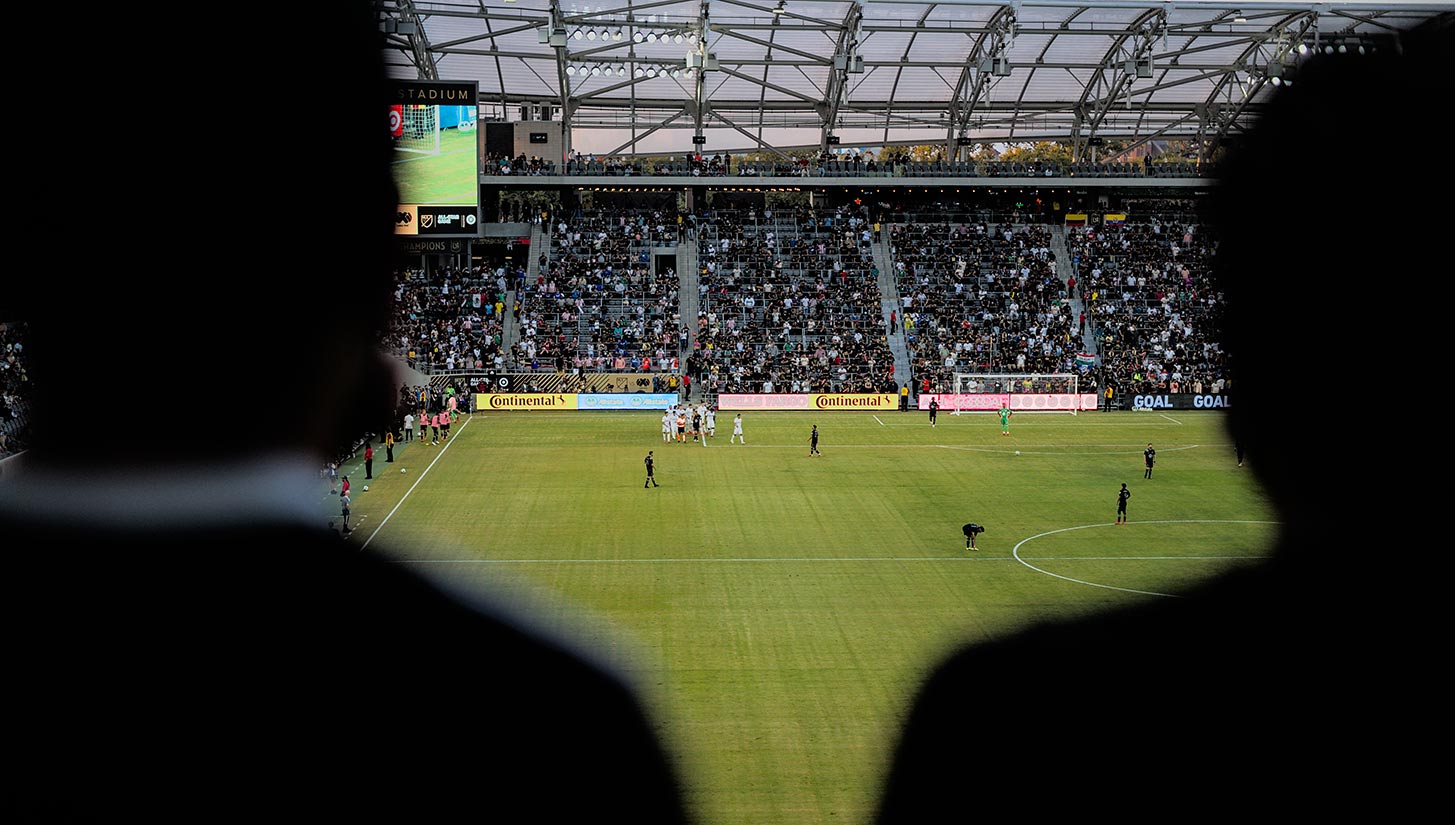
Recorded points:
(687, 297)
(890, 302)
(1064, 270)
(540, 241)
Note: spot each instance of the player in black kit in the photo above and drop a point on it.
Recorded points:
(651, 481)
(1122, 504)
(813, 443)
(934, 409)
(1151, 457)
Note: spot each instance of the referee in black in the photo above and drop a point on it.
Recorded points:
(650, 462)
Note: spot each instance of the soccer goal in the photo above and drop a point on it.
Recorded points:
(421, 130)
(1022, 392)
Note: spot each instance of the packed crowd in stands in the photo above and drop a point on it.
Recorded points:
(598, 303)
(14, 389)
(519, 165)
(449, 320)
(789, 302)
(981, 298)
(1154, 306)
(693, 165)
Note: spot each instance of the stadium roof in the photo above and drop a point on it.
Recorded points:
(785, 73)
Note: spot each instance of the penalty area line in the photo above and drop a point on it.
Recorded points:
(416, 483)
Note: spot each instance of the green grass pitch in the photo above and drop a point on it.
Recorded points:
(447, 178)
(778, 611)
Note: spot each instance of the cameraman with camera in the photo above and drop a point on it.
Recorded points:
(971, 531)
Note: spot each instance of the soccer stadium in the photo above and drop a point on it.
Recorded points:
(921, 326)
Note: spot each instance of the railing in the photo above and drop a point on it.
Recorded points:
(863, 168)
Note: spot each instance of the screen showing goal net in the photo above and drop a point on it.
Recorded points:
(433, 128)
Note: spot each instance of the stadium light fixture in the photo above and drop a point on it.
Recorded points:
(677, 38)
(1277, 81)
(640, 72)
(595, 71)
(651, 37)
(638, 37)
(616, 34)
(621, 71)
(577, 35)
(591, 34)
(651, 71)
(1343, 49)
(676, 73)
(1303, 48)
(571, 70)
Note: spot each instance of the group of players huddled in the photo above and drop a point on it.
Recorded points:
(696, 424)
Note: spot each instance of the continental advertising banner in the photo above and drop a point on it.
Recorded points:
(828, 402)
(525, 401)
(529, 401)
(871, 402)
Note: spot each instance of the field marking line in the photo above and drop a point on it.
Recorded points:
(1015, 551)
(817, 559)
(960, 447)
(1033, 452)
(881, 423)
(1170, 418)
(440, 455)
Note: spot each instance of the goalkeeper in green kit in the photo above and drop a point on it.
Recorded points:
(1005, 420)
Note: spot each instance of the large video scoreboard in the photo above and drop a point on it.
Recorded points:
(434, 128)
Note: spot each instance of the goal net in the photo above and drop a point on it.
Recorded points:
(1019, 392)
(421, 130)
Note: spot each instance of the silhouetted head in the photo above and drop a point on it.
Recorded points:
(1327, 227)
(231, 250)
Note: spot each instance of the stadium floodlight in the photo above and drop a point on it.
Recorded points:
(1276, 80)
(651, 37)
(595, 71)
(1303, 48)
(676, 73)
(1343, 49)
(591, 34)
(621, 71)
(640, 72)
(638, 37)
(677, 38)
(571, 70)
(616, 34)
(651, 71)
